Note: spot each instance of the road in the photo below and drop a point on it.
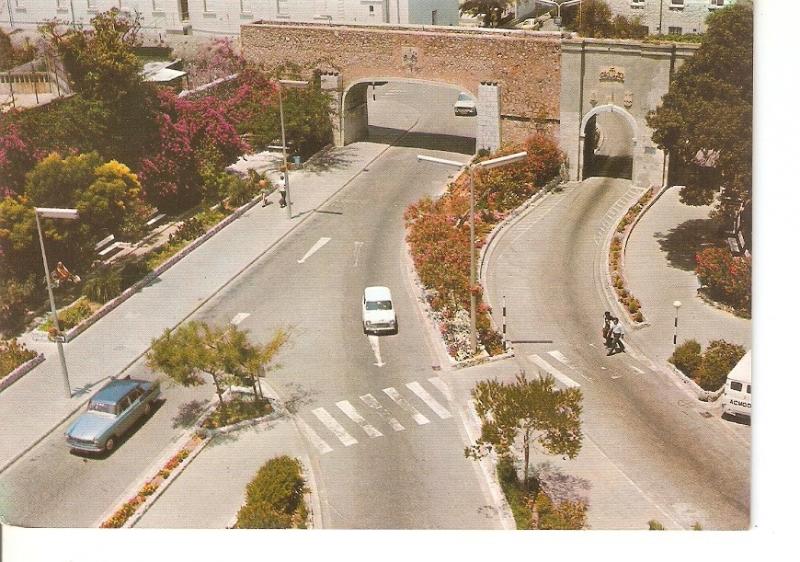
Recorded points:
(400, 464)
(677, 452)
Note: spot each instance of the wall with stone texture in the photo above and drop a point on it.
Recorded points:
(525, 65)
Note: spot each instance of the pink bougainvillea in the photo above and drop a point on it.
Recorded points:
(16, 158)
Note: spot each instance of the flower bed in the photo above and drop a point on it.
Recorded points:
(615, 258)
(726, 278)
(12, 355)
(438, 239)
(71, 316)
(235, 411)
(130, 507)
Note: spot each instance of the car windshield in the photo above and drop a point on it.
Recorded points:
(379, 305)
(104, 407)
(463, 97)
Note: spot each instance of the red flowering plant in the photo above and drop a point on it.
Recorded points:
(17, 157)
(725, 277)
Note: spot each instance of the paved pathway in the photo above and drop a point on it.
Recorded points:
(659, 267)
(116, 341)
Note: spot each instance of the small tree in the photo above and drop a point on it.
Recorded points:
(535, 411)
(224, 353)
(491, 12)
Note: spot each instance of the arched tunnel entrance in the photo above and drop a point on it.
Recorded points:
(608, 139)
(417, 114)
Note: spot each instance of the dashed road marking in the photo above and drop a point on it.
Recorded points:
(423, 395)
(320, 243)
(357, 252)
(442, 387)
(561, 377)
(239, 318)
(561, 358)
(351, 413)
(392, 393)
(312, 436)
(637, 369)
(373, 403)
(340, 432)
(375, 343)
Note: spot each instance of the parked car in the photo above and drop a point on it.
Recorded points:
(465, 105)
(377, 310)
(111, 412)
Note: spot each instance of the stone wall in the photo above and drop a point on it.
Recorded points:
(525, 65)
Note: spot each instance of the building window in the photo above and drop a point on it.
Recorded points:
(245, 6)
(675, 30)
(158, 5)
(637, 4)
(714, 4)
(435, 17)
(676, 4)
(283, 7)
(91, 5)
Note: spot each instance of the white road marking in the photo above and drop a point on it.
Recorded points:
(320, 243)
(615, 377)
(340, 432)
(561, 377)
(351, 413)
(440, 410)
(442, 387)
(312, 436)
(375, 342)
(400, 401)
(356, 252)
(637, 369)
(239, 318)
(373, 403)
(561, 358)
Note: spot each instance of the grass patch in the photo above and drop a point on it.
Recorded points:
(70, 317)
(237, 410)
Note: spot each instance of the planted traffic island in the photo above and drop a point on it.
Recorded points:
(275, 497)
(708, 369)
(438, 238)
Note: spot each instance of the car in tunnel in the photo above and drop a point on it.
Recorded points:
(465, 105)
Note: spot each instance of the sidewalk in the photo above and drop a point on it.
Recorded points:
(659, 268)
(614, 501)
(35, 405)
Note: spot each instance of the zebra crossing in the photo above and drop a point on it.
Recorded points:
(331, 430)
(545, 366)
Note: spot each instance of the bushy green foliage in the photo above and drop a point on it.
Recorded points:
(490, 12)
(14, 296)
(103, 285)
(274, 498)
(133, 271)
(515, 495)
(654, 525)
(727, 277)
(70, 317)
(191, 229)
(565, 515)
(12, 355)
(238, 410)
(687, 357)
(718, 360)
(595, 19)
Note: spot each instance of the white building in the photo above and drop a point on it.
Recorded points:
(669, 16)
(224, 17)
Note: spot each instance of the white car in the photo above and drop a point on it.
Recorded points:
(377, 311)
(465, 105)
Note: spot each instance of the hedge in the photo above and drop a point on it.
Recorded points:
(726, 278)
(12, 355)
(709, 369)
(274, 497)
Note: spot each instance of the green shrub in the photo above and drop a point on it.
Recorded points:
(718, 360)
(190, 229)
(15, 297)
(517, 497)
(12, 355)
(654, 525)
(103, 285)
(726, 277)
(240, 191)
(687, 357)
(134, 271)
(70, 317)
(566, 515)
(274, 497)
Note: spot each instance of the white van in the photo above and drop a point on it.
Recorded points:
(377, 311)
(736, 400)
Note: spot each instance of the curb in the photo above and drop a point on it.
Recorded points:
(702, 394)
(20, 372)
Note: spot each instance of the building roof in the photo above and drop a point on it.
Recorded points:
(742, 371)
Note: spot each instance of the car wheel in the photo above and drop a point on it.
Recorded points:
(148, 408)
(110, 444)
(364, 327)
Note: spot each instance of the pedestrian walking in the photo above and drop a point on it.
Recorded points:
(282, 189)
(607, 329)
(264, 192)
(617, 333)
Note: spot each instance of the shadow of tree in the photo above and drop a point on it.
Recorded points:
(233, 436)
(430, 141)
(330, 159)
(560, 486)
(188, 413)
(298, 396)
(683, 242)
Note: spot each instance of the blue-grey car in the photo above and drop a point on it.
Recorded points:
(111, 412)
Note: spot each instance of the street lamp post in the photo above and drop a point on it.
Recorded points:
(558, 5)
(486, 165)
(677, 305)
(288, 84)
(50, 213)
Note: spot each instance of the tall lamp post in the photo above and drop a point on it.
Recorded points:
(486, 165)
(677, 305)
(67, 214)
(281, 85)
(558, 5)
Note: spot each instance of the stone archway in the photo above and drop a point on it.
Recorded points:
(586, 145)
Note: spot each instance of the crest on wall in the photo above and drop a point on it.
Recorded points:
(410, 57)
(593, 97)
(612, 74)
(627, 101)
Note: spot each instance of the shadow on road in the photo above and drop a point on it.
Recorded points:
(188, 413)
(561, 486)
(610, 167)
(683, 242)
(429, 141)
(331, 159)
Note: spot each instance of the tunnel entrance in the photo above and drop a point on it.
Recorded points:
(608, 146)
(413, 114)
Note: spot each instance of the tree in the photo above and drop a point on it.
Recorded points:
(223, 353)
(705, 120)
(491, 12)
(534, 411)
(593, 18)
(16, 158)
